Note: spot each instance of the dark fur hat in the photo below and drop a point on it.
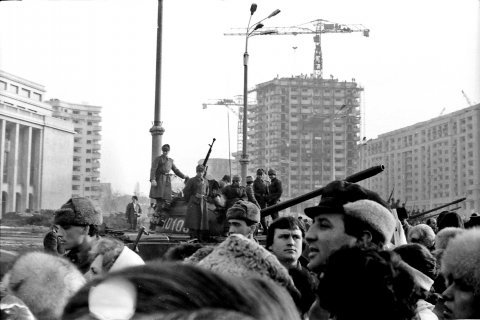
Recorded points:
(78, 212)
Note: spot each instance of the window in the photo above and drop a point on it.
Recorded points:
(76, 112)
(25, 93)
(3, 85)
(13, 88)
(37, 96)
(89, 151)
(89, 123)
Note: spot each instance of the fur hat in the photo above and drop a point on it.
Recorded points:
(44, 282)
(445, 235)
(461, 259)
(249, 179)
(272, 171)
(423, 234)
(244, 210)
(236, 177)
(241, 257)
(78, 211)
(353, 200)
(166, 147)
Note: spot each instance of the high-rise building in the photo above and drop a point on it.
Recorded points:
(430, 163)
(35, 148)
(86, 149)
(299, 127)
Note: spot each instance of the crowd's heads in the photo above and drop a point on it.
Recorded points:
(236, 179)
(200, 168)
(110, 254)
(240, 257)
(272, 172)
(461, 269)
(449, 219)
(353, 201)
(44, 283)
(78, 212)
(285, 239)
(226, 178)
(443, 237)
(245, 211)
(249, 179)
(166, 148)
(360, 283)
(422, 234)
(179, 291)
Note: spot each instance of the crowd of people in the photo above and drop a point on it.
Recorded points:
(359, 259)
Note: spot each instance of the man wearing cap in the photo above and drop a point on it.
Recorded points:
(347, 215)
(243, 218)
(195, 190)
(76, 226)
(260, 189)
(234, 192)
(249, 191)
(160, 178)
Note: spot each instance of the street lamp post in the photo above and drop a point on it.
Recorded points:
(249, 32)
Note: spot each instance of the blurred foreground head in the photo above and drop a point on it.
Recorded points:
(179, 291)
(44, 283)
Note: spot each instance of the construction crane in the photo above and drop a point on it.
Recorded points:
(316, 27)
(228, 103)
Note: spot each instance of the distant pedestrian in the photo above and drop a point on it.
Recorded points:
(133, 211)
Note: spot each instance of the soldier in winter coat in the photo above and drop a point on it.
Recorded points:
(197, 213)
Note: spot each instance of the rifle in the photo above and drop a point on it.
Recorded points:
(208, 156)
(391, 195)
(359, 176)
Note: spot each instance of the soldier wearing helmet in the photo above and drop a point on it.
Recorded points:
(274, 193)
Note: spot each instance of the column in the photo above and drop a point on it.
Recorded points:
(12, 165)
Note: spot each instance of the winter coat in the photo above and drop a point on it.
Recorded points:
(251, 195)
(233, 193)
(197, 213)
(275, 191)
(260, 189)
(160, 172)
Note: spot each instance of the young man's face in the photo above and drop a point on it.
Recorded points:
(73, 236)
(326, 235)
(287, 245)
(235, 182)
(238, 227)
(460, 301)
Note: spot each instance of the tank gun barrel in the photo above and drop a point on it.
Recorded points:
(356, 177)
(437, 208)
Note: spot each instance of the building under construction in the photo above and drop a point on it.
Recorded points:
(299, 126)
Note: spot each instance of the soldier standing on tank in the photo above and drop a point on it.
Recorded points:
(260, 189)
(275, 191)
(160, 178)
(195, 191)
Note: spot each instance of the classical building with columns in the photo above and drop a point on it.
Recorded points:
(36, 149)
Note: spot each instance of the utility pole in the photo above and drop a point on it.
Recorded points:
(157, 130)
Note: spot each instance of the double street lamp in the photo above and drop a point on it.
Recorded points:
(249, 32)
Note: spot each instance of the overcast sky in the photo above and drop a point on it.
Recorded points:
(419, 57)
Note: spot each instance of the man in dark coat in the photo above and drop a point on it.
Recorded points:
(234, 192)
(249, 191)
(260, 189)
(133, 211)
(196, 219)
(160, 177)
(274, 193)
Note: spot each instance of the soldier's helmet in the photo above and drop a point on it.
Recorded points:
(272, 171)
(236, 177)
(249, 179)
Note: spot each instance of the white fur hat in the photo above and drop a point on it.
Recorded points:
(374, 214)
(423, 234)
(44, 282)
(445, 235)
(461, 259)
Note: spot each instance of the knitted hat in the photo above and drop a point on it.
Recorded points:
(166, 147)
(78, 212)
(249, 179)
(200, 168)
(241, 257)
(244, 210)
(423, 234)
(351, 199)
(272, 171)
(461, 259)
(445, 235)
